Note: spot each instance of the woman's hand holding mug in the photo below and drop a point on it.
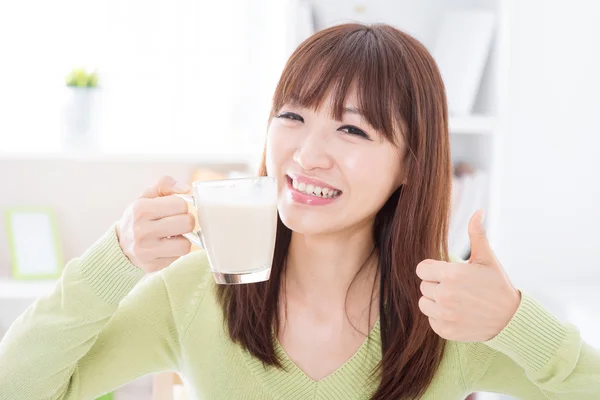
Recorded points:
(150, 230)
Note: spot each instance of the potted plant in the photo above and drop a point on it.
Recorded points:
(79, 114)
(79, 78)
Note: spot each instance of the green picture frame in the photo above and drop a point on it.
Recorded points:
(33, 243)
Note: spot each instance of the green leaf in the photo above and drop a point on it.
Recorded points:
(78, 77)
(93, 80)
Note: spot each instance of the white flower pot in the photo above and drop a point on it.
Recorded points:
(79, 117)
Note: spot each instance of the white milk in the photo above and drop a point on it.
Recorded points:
(238, 237)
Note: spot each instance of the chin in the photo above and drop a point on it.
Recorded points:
(305, 222)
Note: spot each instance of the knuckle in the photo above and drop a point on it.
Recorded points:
(436, 325)
(423, 264)
(443, 298)
(139, 250)
(165, 181)
(191, 222)
(448, 314)
(447, 275)
(422, 303)
(443, 295)
(186, 246)
(139, 233)
(451, 274)
(179, 203)
(140, 209)
(419, 268)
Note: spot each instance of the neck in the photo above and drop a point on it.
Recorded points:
(334, 272)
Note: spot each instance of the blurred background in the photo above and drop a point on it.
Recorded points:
(99, 99)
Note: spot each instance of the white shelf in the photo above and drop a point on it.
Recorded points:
(16, 289)
(472, 125)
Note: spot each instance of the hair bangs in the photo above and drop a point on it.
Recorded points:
(333, 64)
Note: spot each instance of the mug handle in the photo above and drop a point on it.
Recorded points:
(194, 236)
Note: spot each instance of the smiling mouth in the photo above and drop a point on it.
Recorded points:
(313, 190)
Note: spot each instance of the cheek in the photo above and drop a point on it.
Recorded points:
(364, 168)
(354, 163)
(374, 175)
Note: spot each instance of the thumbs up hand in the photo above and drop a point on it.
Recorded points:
(468, 302)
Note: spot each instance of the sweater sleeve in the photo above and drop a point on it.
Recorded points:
(100, 327)
(534, 357)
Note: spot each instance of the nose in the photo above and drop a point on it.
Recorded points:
(312, 152)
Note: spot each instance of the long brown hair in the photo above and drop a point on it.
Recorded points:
(400, 94)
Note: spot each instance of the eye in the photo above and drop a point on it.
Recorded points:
(291, 116)
(353, 130)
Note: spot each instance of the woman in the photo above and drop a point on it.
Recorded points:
(363, 300)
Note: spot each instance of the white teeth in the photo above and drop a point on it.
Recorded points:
(316, 191)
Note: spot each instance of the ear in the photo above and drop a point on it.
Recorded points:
(402, 176)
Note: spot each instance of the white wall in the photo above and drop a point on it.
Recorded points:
(548, 219)
(549, 195)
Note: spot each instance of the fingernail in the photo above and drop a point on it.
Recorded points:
(181, 187)
(482, 216)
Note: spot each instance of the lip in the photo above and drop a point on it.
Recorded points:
(305, 199)
(312, 181)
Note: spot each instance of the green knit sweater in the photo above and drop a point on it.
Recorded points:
(106, 324)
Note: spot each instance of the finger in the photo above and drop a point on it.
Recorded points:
(481, 251)
(162, 207)
(428, 307)
(165, 186)
(173, 226)
(430, 270)
(428, 289)
(174, 247)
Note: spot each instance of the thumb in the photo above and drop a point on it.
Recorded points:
(165, 186)
(481, 251)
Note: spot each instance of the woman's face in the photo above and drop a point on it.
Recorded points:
(332, 175)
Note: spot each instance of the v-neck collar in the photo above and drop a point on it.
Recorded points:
(353, 379)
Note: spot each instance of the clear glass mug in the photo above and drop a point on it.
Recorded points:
(238, 225)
